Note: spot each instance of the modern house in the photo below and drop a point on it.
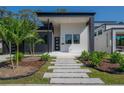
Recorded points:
(64, 32)
(74, 32)
(109, 37)
(68, 32)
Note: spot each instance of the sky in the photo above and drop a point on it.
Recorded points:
(103, 13)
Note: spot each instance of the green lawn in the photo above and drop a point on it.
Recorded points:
(34, 79)
(106, 77)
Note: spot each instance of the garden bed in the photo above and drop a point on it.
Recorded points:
(27, 67)
(106, 66)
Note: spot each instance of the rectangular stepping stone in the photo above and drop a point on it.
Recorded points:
(63, 67)
(65, 75)
(63, 63)
(92, 81)
(72, 70)
(68, 64)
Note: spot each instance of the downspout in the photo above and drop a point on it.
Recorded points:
(111, 40)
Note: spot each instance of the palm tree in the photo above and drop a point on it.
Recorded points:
(21, 29)
(33, 39)
(5, 34)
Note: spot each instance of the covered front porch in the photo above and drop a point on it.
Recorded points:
(71, 34)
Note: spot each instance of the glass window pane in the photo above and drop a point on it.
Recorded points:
(68, 39)
(76, 38)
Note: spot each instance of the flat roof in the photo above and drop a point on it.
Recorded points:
(65, 13)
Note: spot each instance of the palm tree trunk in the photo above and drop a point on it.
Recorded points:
(33, 46)
(31, 49)
(17, 56)
(10, 52)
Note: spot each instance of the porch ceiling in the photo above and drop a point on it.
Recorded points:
(65, 19)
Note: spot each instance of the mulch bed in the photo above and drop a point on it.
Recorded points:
(27, 67)
(106, 66)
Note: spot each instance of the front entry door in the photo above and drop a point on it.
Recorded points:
(57, 43)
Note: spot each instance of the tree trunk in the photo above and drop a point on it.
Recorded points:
(33, 49)
(10, 52)
(17, 56)
(30, 49)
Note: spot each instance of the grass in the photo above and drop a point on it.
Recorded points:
(34, 79)
(109, 79)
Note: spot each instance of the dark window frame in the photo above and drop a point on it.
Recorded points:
(66, 39)
(78, 41)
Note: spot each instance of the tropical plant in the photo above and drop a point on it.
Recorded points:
(33, 39)
(115, 57)
(84, 56)
(45, 57)
(5, 33)
(20, 56)
(95, 58)
(21, 29)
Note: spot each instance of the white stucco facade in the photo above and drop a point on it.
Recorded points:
(74, 28)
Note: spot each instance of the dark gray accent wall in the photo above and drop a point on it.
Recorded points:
(91, 34)
(41, 48)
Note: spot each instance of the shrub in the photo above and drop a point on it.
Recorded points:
(20, 56)
(116, 57)
(96, 57)
(84, 56)
(45, 57)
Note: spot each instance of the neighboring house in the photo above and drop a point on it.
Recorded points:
(65, 32)
(109, 37)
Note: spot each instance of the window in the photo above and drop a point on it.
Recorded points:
(99, 32)
(120, 40)
(68, 39)
(76, 38)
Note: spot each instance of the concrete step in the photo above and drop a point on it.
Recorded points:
(65, 75)
(68, 64)
(72, 70)
(93, 81)
(63, 63)
(64, 67)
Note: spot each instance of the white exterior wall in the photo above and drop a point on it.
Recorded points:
(74, 28)
(102, 27)
(103, 42)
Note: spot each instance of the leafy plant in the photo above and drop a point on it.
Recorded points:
(84, 56)
(95, 58)
(116, 57)
(45, 57)
(20, 56)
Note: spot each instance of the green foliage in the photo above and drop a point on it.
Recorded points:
(96, 58)
(116, 57)
(84, 56)
(20, 56)
(45, 57)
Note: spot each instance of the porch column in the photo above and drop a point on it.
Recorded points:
(48, 35)
(91, 34)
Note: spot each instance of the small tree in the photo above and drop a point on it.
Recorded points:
(21, 29)
(33, 39)
(5, 33)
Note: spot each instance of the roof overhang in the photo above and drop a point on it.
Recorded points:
(65, 17)
(65, 13)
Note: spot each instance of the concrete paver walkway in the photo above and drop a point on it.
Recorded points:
(68, 71)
